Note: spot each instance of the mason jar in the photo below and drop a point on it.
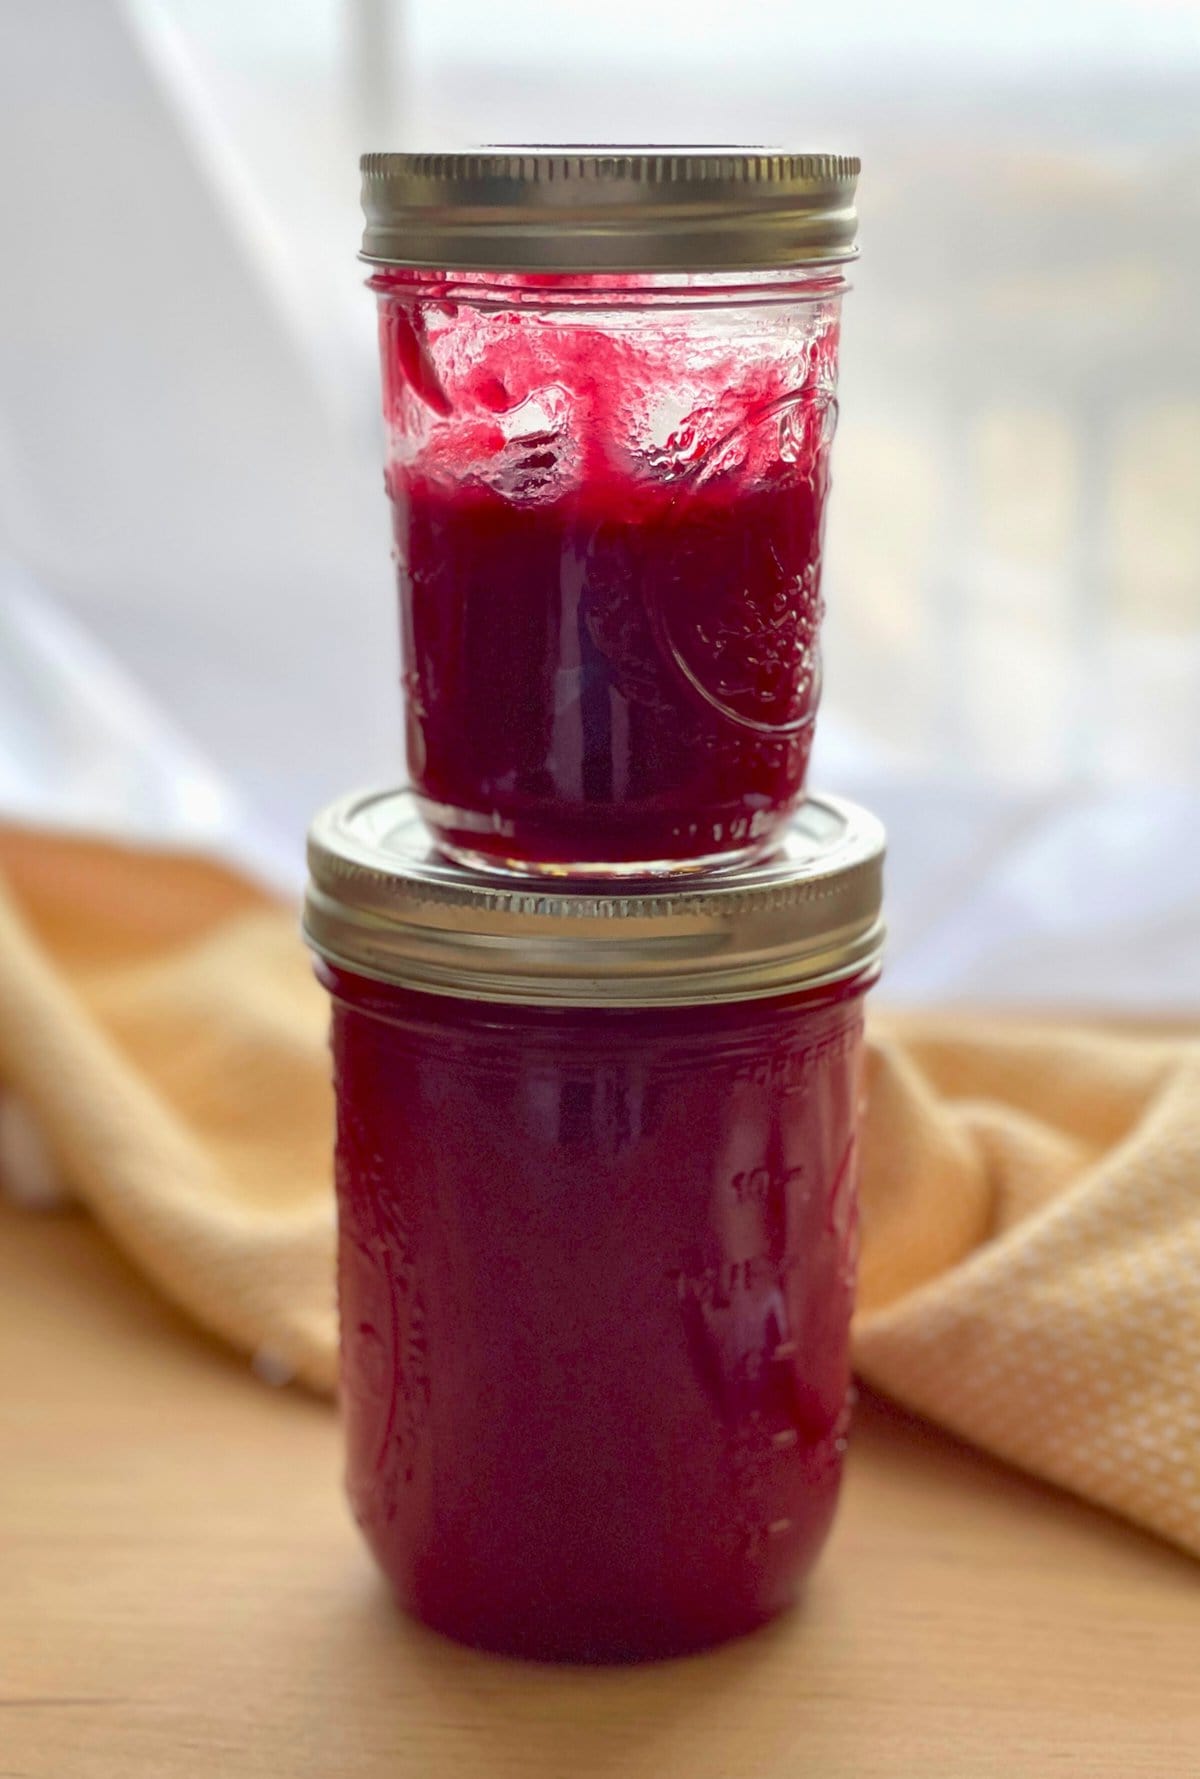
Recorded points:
(596, 1183)
(609, 392)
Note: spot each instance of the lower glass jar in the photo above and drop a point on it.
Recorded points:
(596, 1256)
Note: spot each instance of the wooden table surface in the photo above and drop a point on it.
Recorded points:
(182, 1592)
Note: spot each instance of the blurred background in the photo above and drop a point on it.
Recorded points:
(197, 624)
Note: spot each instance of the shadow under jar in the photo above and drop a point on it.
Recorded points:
(596, 1179)
(609, 393)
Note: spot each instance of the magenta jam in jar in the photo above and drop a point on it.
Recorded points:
(596, 1182)
(609, 391)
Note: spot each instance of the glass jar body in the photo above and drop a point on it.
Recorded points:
(596, 1269)
(608, 498)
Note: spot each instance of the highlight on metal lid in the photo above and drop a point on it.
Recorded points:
(595, 209)
(383, 904)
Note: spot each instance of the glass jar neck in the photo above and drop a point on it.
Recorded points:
(674, 289)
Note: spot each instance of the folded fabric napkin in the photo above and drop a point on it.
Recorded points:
(1030, 1272)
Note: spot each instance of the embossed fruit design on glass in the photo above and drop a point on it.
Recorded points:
(608, 479)
(596, 1179)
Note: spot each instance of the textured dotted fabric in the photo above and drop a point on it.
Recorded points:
(1030, 1269)
(1031, 1253)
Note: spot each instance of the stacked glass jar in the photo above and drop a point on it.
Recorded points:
(598, 975)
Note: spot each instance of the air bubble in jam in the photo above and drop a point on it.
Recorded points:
(608, 529)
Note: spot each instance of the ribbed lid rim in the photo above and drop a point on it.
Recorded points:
(597, 209)
(381, 903)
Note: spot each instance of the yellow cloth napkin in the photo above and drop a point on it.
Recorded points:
(1031, 1197)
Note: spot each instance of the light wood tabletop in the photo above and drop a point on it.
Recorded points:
(182, 1593)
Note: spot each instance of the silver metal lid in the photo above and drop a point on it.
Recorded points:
(382, 904)
(618, 209)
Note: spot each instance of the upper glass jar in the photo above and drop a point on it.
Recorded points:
(609, 389)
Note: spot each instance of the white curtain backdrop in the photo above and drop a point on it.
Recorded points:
(197, 628)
